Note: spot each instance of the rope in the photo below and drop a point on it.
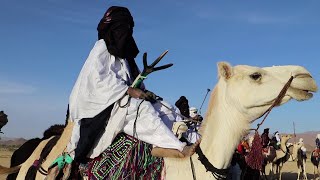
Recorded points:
(135, 121)
(276, 102)
(192, 169)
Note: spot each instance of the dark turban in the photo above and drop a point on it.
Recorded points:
(183, 105)
(116, 28)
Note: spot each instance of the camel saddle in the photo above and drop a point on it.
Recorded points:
(269, 153)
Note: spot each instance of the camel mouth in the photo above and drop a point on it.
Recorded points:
(300, 94)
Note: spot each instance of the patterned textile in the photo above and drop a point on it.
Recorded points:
(126, 158)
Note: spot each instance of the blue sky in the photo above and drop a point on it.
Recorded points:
(44, 44)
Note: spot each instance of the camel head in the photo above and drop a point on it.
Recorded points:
(252, 90)
(296, 147)
(285, 138)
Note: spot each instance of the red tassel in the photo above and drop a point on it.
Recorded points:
(254, 158)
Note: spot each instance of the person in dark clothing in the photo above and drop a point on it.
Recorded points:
(104, 102)
(3, 119)
(183, 105)
(318, 141)
(265, 138)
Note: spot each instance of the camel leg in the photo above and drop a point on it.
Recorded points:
(314, 172)
(304, 169)
(298, 173)
(280, 167)
(271, 171)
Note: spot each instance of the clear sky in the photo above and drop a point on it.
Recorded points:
(44, 43)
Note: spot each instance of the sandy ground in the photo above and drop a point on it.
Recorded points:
(4, 160)
(289, 169)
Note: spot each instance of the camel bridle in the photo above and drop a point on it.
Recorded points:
(222, 173)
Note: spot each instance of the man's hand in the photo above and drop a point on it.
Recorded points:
(136, 93)
(146, 95)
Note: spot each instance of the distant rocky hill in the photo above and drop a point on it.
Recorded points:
(308, 138)
(12, 141)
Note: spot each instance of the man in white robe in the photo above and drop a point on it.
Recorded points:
(192, 134)
(102, 93)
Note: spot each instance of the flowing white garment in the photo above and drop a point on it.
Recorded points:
(103, 80)
(278, 137)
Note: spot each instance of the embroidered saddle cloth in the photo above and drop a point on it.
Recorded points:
(126, 158)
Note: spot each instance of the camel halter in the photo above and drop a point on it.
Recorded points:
(275, 103)
(254, 159)
(222, 173)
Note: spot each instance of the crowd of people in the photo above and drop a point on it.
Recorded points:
(244, 147)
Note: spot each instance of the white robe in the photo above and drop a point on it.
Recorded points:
(103, 80)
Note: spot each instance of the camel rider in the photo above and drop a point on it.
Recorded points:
(194, 114)
(192, 133)
(102, 103)
(3, 119)
(183, 106)
(275, 140)
(265, 138)
(303, 148)
(318, 141)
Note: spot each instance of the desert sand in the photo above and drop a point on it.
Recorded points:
(4, 160)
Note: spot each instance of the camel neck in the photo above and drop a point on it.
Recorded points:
(222, 130)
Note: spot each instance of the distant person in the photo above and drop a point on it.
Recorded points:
(194, 114)
(318, 141)
(243, 147)
(276, 140)
(303, 149)
(192, 134)
(265, 138)
(183, 105)
(3, 120)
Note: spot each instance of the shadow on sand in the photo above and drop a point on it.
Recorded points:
(294, 175)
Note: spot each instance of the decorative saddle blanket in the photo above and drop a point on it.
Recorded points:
(316, 153)
(126, 158)
(269, 153)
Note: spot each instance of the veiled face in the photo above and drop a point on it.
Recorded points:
(184, 108)
(252, 90)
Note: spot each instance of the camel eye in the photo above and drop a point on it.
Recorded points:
(255, 76)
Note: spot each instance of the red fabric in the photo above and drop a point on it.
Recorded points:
(240, 149)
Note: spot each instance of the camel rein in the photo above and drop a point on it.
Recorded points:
(275, 103)
(222, 173)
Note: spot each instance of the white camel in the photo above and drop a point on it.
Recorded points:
(242, 94)
(297, 156)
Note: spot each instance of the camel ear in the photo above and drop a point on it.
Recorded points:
(225, 70)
